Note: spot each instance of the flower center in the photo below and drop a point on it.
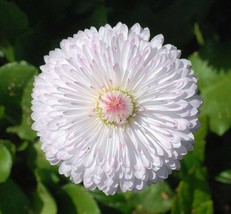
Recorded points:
(115, 107)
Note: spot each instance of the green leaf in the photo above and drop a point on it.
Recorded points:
(196, 157)
(157, 198)
(215, 87)
(6, 49)
(12, 199)
(118, 201)
(48, 176)
(217, 106)
(24, 130)
(193, 193)
(15, 86)
(224, 177)
(198, 34)
(200, 142)
(44, 203)
(217, 55)
(37, 157)
(40, 159)
(13, 79)
(79, 199)
(5, 163)
(12, 20)
(204, 208)
(10, 146)
(47, 173)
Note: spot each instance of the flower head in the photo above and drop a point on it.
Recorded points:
(114, 109)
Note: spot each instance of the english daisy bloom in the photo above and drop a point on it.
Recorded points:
(114, 109)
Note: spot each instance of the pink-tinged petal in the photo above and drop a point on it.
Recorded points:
(115, 110)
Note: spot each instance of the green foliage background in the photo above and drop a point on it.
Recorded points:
(29, 29)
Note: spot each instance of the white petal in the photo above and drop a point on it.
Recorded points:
(115, 110)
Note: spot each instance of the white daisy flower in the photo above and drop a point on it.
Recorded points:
(115, 110)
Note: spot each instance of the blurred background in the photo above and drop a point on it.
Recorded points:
(29, 29)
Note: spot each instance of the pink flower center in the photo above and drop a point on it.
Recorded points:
(114, 103)
(115, 107)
